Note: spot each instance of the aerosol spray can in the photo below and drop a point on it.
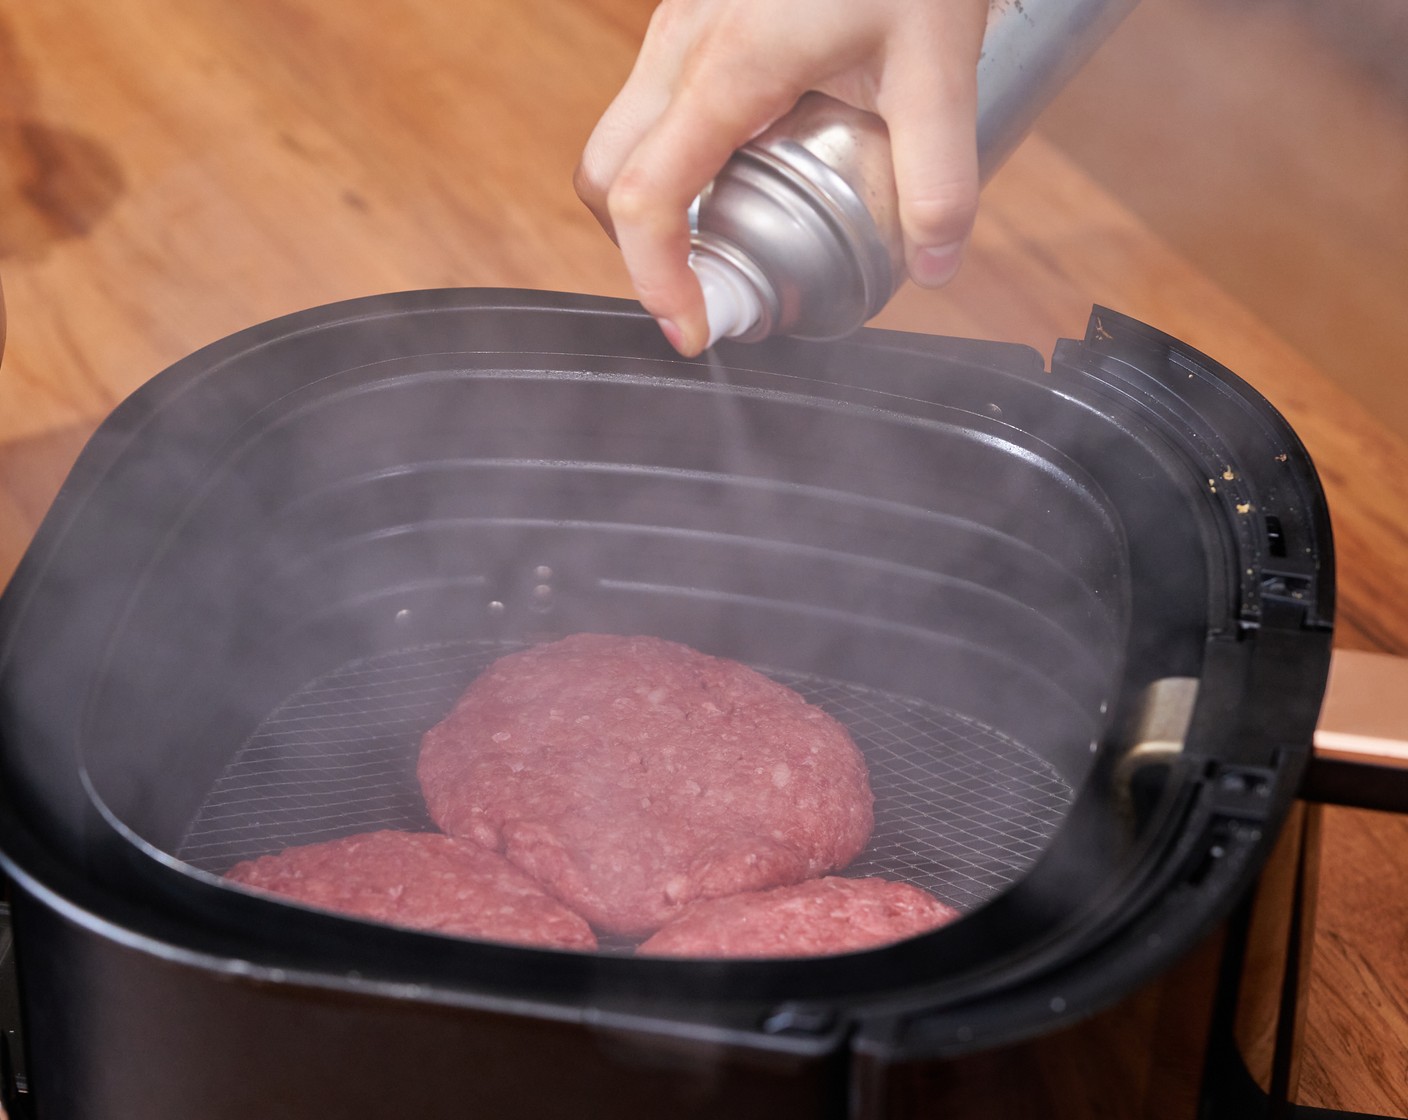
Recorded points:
(799, 234)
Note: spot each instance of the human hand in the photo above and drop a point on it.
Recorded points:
(712, 74)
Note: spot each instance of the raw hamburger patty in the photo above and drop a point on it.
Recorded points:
(830, 915)
(633, 776)
(422, 880)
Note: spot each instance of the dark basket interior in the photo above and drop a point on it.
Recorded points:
(277, 564)
(323, 581)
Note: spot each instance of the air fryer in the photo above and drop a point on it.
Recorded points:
(1078, 620)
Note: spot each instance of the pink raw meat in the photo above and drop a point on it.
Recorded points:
(422, 880)
(831, 915)
(632, 776)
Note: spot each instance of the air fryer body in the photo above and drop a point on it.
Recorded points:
(125, 1032)
(1077, 619)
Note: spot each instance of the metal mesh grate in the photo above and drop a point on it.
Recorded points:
(960, 810)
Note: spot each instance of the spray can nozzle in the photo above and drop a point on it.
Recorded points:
(734, 306)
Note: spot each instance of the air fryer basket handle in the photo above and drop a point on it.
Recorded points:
(1361, 741)
(1361, 754)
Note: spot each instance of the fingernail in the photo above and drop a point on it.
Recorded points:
(674, 336)
(936, 266)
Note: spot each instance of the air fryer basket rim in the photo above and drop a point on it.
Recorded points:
(1267, 646)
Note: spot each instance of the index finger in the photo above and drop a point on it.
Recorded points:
(648, 202)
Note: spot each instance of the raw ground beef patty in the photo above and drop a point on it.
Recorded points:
(633, 776)
(422, 880)
(831, 915)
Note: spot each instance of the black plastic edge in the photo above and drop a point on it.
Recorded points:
(1297, 590)
(1262, 688)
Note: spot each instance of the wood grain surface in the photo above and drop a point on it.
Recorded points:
(174, 170)
(1267, 140)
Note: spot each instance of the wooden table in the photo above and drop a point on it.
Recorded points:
(174, 170)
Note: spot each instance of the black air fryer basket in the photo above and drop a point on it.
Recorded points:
(1077, 620)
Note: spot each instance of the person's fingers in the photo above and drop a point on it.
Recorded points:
(620, 129)
(931, 113)
(698, 92)
(707, 119)
(635, 108)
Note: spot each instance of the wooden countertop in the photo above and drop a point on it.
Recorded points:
(172, 171)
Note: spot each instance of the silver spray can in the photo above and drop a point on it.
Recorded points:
(799, 233)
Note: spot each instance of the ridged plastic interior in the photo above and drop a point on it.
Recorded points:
(390, 510)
